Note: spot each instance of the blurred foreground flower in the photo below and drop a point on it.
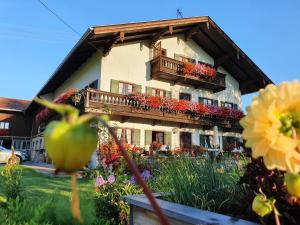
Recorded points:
(272, 126)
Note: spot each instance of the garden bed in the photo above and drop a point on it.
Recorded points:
(141, 212)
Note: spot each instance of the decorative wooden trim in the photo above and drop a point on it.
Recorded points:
(158, 36)
(110, 45)
(191, 32)
(122, 36)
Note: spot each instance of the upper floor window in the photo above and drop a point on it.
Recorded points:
(125, 88)
(208, 101)
(4, 125)
(158, 92)
(229, 105)
(185, 96)
(150, 91)
(184, 59)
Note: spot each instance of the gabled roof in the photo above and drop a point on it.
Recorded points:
(203, 30)
(10, 104)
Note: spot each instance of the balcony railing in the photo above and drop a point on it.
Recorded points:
(167, 69)
(101, 102)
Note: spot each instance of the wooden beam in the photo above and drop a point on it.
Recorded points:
(191, 32)
(171, 29)
(158, 36)
(122, 36)
(110, 45)
(219, 61)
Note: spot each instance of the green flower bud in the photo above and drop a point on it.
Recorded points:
(293, 184)
(261, 205)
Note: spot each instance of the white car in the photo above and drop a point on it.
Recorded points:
(5, 156)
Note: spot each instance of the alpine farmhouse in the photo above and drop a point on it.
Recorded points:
(138, 71)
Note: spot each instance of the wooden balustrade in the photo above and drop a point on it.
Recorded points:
(101, 102)
(167, 69)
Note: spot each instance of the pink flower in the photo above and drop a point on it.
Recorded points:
(100, 181)
(111, 179)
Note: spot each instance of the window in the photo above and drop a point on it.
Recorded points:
(185, 96)
(184, 59)
(207, 141)
(4, 125)
(125, 135)
(125, 88)
(158, 92)
(158, 137)
(229, 105)
(208, 101)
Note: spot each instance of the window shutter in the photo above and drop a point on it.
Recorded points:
(201, 100)
(168, 138)
(136, 137)
(216, 102)
(114, 86)
(168, 94)
(202, 140)
(235, 106)
(148, 137)
(149, 91)
(137, 88)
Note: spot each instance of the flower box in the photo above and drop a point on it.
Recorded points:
(141, 212)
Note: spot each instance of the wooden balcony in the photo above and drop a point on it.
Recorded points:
(167, 69)
(101, 102)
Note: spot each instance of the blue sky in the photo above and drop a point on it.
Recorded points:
(33, 42)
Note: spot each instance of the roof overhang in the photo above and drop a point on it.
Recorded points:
(203, 30)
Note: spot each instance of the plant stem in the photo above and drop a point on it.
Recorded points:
(135, 171)
(276, 218)
(294, 136)
(75, 199)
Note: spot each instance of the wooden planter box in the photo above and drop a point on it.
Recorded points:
(141, 213)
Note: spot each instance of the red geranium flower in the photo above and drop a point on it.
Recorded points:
(188, 68)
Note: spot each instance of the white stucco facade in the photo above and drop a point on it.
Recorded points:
(83, 76)
(130, 62)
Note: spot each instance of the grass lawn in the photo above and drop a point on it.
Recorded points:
(39, 185)
(47, 201)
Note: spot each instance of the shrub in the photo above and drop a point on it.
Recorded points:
(109, 205)
(12, 177)
(201, 184)
(272, 184)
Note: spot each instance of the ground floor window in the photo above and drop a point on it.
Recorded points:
(232, 144)
(185, 140)
(129, 135)
(125, 135)
(158, 137)
(207, 141)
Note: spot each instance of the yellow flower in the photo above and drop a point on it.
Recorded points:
(272, 126)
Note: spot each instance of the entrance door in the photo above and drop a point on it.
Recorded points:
(186, 141)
